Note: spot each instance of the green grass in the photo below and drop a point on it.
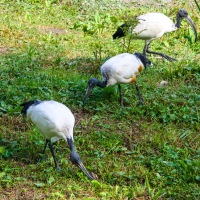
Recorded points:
(49, 50)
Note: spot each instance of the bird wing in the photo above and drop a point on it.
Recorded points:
(153, 25)
(53, 119)
(121, 68)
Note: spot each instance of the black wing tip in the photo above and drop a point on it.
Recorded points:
(27, 104)
(120, 31)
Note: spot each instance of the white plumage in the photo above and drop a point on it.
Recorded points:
(122, 68)
(54, 119)
(152, 26)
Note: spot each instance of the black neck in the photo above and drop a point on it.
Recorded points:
(99, 83)
(141, 58)
(178, 21)
(71, 144)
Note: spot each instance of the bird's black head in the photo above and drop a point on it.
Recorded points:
(145, 61)
(121, 31)
(182, 13)
(92, 82)
(75, 159)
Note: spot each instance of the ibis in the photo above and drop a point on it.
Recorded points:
(152, 26)
(54, 120)
(122, 68)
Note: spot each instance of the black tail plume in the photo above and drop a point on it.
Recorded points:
(28, 104)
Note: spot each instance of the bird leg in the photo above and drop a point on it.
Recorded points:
(52, 152)
(45, 146)
(138, 92)
(121, 95)
(162, 54)
(146, 50)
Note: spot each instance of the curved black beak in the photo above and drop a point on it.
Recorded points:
(89, 89)
(75, 158)
(82, 167)
(189, 20)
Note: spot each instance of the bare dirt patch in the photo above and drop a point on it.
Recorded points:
(17, 123)
(23, 192)
(149, 2)
(4, 50)
(53, 30)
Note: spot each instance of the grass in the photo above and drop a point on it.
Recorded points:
(49, 49)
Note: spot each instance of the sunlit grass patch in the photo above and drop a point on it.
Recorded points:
(49, 50)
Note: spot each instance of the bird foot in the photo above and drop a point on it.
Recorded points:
(140, 103)
(58, 168)
(168, 58)
(40, 159)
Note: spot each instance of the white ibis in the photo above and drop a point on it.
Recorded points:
(122, 68)
(152, 26)
(54, 119)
